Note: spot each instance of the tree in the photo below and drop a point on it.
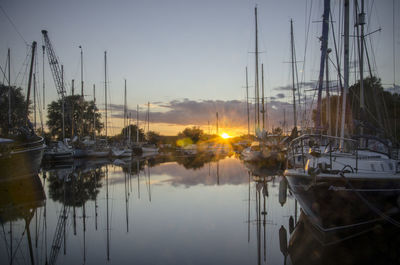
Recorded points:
(78, 117)
(18, 108)
(379, 115)
(133, 132)
(153, 137)
(193, 133)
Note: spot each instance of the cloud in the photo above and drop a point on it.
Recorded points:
(310, 84)
(231, 113)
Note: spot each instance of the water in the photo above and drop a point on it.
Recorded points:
(167, 210)
(161, 210)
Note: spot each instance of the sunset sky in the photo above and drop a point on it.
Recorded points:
(187, 58)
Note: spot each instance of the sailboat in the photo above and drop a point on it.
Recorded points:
(100, 147)
(21, 151)
(345, 183)
(125, 150)
(148, 149)
(267, 149)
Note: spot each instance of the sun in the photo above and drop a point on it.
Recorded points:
(225, 135)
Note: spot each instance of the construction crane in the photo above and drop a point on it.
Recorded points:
(54, 64)
(58, 74)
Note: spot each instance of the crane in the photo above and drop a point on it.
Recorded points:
(54, 64)
(58, 74)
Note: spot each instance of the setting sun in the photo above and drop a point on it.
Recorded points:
(225, 136)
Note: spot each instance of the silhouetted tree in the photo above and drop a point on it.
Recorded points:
(153, 137)
(18, 108)
(382, 108)
(193, 133)
(78, 118)
(133, 132)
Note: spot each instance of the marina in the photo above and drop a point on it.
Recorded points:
(164, 138)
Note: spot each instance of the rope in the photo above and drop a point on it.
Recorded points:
(5, 240)
(12, 23)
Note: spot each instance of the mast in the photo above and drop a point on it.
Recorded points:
(9, 87)
(262, 97)
(125, 114)
(361, 22)
(129, 129)
(34, 101)
(247, 103)
(284, 120)
(72, 111)
(137, 124)
(324, 47)
(346, 68)
(217, 122)
(148, 116)
(80, 47)
(94, 112)
(328, 100)
(256, 69)
(30, 82)
(44, 104)
(293, 82)
(105, 86)
(62, 101)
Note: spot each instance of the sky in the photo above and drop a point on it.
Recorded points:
(187, 58)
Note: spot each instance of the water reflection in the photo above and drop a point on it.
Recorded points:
(156, 210)
(267, 195)
(377, 245)
(20, 199)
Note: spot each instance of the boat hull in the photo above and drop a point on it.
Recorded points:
(22, 162)
(340, 203)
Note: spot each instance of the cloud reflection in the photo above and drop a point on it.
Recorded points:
(228, 171)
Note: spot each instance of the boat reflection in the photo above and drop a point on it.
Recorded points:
(376, 245)
(20, 198)
(260, 178)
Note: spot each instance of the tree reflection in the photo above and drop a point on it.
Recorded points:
(76, 187)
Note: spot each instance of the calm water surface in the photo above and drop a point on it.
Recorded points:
(184, 210)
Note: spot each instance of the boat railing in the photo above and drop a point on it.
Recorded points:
(376, 145)
(313, 143)
(36, 143)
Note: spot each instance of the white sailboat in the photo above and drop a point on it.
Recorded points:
(125, 150)
(344, 184)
